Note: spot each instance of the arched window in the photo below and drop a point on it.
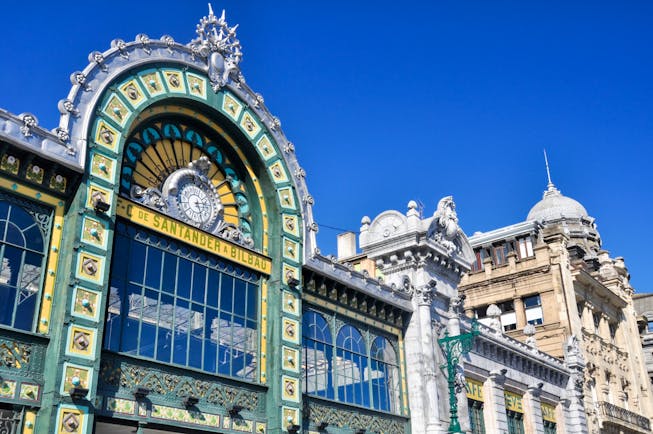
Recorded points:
(22, 260)
(318, 356)
(174, 304)
(384, 375)
(351, 367)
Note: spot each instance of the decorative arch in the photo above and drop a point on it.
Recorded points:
(140, 97)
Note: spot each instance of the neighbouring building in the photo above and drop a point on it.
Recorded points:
(502, 385)
(551, 274)
(644, 309)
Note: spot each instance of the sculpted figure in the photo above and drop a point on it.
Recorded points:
(444, 227)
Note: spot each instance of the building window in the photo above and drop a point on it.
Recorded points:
(499, 255)
(550, 427)
(533, 310)
(525, 247)
(385, 375)
(508, 316)
(24, 231)
(174, 304)
(613, 332)
(477, 265)
(349, 374)
(515, 422)
(476, 422)
(597, 321)
(650, 326)
(318, 356)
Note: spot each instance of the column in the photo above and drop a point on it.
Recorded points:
(519, 312)
(424, 301)
(533, 423)
(416, 391)
(494, 410)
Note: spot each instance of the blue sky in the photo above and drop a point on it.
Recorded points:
(388, 102)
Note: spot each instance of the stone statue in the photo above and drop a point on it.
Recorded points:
(444, 227)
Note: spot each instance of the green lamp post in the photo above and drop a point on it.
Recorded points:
(453, 348)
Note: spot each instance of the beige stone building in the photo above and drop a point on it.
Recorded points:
(550, 271)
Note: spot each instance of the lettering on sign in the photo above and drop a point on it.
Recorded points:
(193, 236)
(548, 412)
(513, 402)
(474, 389)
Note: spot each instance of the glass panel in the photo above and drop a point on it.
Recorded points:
(183, 326)
(153, 269)
(199, 283)
(14, 235)
(136, 262)
(112, 329)
(34, 238)
(226, 293)
(169, 274)
(196, 336)
(240, 298)
(182, 319)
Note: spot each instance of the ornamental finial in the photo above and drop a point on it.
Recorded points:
(217, 42)
(215, 35)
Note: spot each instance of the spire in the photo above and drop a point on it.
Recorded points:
(550, 185)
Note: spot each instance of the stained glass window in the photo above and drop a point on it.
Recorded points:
(174, 304)
(23, 232)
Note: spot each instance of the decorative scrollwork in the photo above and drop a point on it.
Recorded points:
(338, 417)
(129, 376)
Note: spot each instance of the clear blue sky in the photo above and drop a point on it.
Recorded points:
(392, 101)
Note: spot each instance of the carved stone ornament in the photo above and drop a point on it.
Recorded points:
(424, 295)
(98, 58)
(121, 46)
(494, 313)
(29, 122)
(444, 228)
(78, 78)
(217, 42)
(66, 106)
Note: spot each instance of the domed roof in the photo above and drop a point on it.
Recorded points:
(555, 206)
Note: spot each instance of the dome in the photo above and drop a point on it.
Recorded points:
(555, 206)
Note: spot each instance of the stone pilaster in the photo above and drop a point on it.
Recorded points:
(494, 409)
(533, 423)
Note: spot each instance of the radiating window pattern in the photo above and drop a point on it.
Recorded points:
(174, 304)
(352, 365)
(23, 243)
(476, 421)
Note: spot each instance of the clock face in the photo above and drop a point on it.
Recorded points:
(195, 204)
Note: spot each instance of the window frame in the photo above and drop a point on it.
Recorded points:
(194, 306)
(339, 351)
(40, 219)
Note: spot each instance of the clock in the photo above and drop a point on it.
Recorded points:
(192, 198)
(195, 204)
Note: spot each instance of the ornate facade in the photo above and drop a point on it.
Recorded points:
(548, 277)
(158, 265)
(501, 384)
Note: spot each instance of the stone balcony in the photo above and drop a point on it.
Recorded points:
(614, 415)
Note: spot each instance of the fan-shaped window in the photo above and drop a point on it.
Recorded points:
(318, 355)
(22, 260)
(384, 375)
(351, 366)
(171, 303)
